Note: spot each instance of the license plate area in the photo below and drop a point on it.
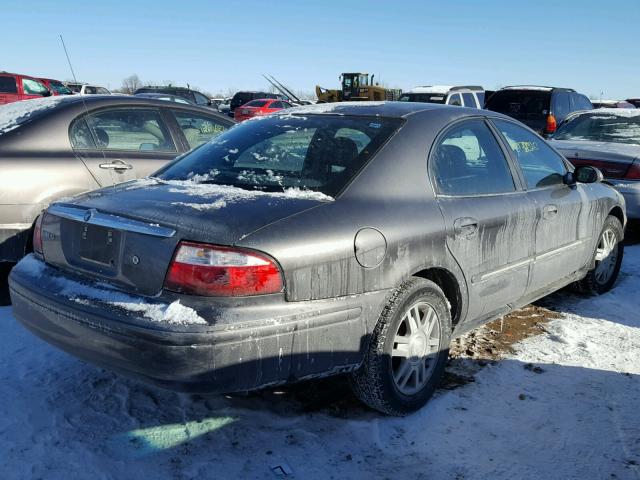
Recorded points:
(99, 245)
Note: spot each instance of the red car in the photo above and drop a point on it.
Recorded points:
(56, 86)
(15, 87)
(261, 106)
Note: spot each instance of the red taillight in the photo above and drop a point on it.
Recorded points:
(634, 171)
(37, 236)
(209, 270)
(551, 124)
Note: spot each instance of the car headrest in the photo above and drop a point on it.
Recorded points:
(344, 152)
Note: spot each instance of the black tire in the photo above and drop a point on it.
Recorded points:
(591, 284)
(373, 383)
(5, 268)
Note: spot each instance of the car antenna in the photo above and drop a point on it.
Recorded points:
(86, 109)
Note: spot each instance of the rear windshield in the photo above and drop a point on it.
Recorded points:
(602, 127)
(423, 97)
(256, 103)
(313, 152)
(520, 102)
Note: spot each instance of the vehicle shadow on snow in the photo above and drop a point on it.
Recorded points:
(511, 405)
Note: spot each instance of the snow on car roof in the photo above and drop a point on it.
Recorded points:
(619, 112)
(442, 89)
(12, 115)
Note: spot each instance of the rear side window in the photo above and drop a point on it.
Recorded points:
(561, 104)
(468, 161)
(8, 84)
(540, 165)
(469, 101)
(276, 105)
(455, 99)
(135, 129)
(198, 129)
(312, 152)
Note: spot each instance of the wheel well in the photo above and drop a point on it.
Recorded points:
(617, 212)
(449, 285)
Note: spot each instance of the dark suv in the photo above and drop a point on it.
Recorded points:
(193, 96)
(240, 98)
(540, 108)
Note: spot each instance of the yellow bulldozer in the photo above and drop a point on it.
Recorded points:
(355, 87)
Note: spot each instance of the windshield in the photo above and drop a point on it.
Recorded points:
(423, 97)
(520, 102)
(602, 127)
(59, 88)
(317, 152)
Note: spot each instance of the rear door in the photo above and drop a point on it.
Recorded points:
(489, 219)
(564, 220)
(8, 89)
(119, 144)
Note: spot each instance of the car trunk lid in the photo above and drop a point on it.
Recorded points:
(127, 235)
(613, 159)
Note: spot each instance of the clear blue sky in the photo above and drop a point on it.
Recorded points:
(589, 45)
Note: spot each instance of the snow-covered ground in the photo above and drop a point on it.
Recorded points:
(564, 406)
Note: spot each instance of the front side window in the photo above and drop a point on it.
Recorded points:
(468, 161)
(8, 84)
(540, 165)
(33, 87)
(135, 129)
(200, 99)
(455, 100)
(310, 152)
(198, 129)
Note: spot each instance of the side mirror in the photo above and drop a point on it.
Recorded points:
(47, 93)
(588, 174)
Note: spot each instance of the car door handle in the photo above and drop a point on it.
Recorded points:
(549, 211)
(465, 227)
(116, 165)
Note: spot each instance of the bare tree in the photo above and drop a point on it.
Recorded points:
(131, 84)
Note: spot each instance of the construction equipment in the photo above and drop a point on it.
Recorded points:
(355, 87)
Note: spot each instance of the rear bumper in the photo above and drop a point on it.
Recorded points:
(270, 345)
(631, 193)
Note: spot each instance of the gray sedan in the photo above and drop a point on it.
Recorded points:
(59, 146)
(610, 140)
(345, 238)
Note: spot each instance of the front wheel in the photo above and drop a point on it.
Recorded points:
(608, 259)
(408, 350)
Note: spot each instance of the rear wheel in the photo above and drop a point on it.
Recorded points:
(608, 259)
(408, 351)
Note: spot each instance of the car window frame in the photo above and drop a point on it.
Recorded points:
(473, 99)
(515, 173)
(568, 166)
(151, 153)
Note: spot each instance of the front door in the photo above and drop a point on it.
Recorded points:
(489, 218)
(563, 218)
(120, 144)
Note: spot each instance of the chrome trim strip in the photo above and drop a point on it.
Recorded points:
(481, 278)
(554, 252)
(116, 222)
(15, 226)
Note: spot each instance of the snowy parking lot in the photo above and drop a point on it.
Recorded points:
(560, 404)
